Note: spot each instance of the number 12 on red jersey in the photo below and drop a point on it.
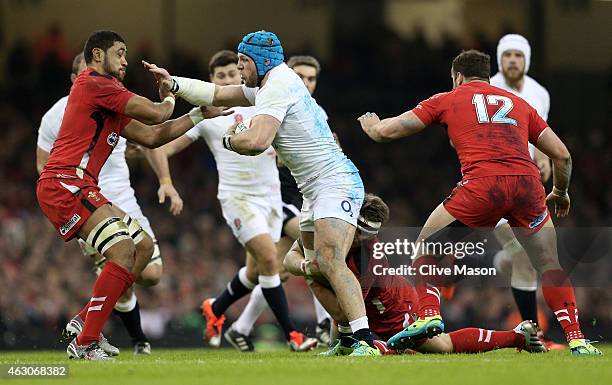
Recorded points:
(500, 116)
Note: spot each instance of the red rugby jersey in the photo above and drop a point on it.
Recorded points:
(92, 123)
(489, 128)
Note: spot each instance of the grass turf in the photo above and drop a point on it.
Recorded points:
(206, 366)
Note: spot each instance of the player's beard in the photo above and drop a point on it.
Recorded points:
(250, 81)
(119, 75)
(513, 74)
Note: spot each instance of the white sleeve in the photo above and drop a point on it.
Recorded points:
(323, 112)
(546, 108)
(196, 131)
(250, 93)
(47, 132)
(273, 100)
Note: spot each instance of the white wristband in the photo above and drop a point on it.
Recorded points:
(169, 99)
(195, 91)
(196, 115)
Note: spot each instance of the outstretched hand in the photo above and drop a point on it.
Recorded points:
(162, 76)
(210, 112)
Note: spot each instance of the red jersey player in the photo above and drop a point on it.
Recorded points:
(391, 300)
(490, 129)
(99, 109)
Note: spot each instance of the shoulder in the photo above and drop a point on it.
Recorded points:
(57, 109)
(498, 80)
(95, 81)
(536, 87)
(439, 97)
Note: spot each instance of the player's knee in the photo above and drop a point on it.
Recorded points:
(327, 260)
(268, 266)
(145, 247)
(123, 253)
(111, 239)
(151, 275)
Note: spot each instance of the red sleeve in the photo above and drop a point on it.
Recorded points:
(429, 110)
(110, 94)
(536, 126)
(125, 120)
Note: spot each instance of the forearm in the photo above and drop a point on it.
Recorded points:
(201, 93)
(170, 130)
(164, 109)
(246, 143)
(41, 159)
(158, 160)
(562, 172)
(397, 127)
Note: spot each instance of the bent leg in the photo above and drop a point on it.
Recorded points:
(541, 247)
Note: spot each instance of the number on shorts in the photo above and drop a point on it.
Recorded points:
(500, 116)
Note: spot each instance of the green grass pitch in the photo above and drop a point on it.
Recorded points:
(218, 367)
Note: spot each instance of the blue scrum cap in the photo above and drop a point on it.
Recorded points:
(264, 48)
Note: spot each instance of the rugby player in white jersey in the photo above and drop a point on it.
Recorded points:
(114, 183)
(288, 118)
(513, 60)
(249, 193)
(308, 69)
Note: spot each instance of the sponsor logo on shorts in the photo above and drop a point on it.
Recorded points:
(65, 228)
(346, 207)
(237, 223)
(538, 220)
(112, 139)
(92, 195)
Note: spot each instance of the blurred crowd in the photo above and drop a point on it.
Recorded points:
(43, 281)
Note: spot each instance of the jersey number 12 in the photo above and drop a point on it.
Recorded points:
(500, 116)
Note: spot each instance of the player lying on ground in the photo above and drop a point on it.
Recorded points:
(490, 129)
(307, 68)
(114, 182)
(391, 300)
(99, 110)
(249, 193)
(288, 118)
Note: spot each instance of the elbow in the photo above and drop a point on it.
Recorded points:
(152, 141)
(158, 117)
(562, 154)
(155, 116)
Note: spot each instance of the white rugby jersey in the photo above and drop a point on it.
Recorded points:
(532, 92)
(114, 178)
(255, 175)
(304, 141)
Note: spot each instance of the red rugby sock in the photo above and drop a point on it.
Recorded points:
(474, 340)
(559, 295)
(426, 286)
(110, 285)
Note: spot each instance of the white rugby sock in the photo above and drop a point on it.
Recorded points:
(257, 304)
(359, 323)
